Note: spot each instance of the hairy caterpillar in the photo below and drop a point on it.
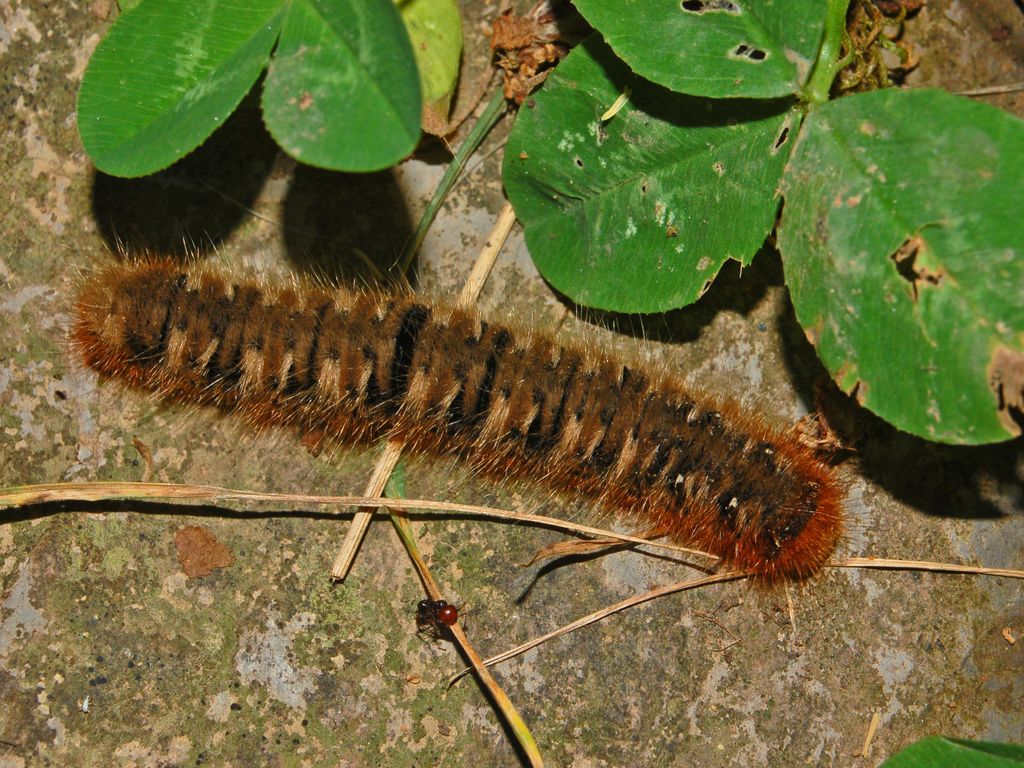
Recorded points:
(349, 366)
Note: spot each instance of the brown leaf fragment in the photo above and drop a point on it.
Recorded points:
(199, 552)
(1008, 635)
(527, 47)
(816, 432)
(1006, 378)
(539, 25)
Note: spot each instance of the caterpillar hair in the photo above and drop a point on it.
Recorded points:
(355, 366)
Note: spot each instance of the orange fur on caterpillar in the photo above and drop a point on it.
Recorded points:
(362, 366)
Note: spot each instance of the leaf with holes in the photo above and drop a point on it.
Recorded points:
(904, 257)
(717, 48)
(167, 75)
(637, 212)
(342, 91)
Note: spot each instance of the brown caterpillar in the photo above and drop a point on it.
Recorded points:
(361, 366)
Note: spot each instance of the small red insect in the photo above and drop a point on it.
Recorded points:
(436, 615)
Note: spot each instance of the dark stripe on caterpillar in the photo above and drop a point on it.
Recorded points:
(362, 366)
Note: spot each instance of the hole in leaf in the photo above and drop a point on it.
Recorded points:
(579, 163)
(906, 259)
(644, 187)
(710, 6)
(744, 51)
(781, 139)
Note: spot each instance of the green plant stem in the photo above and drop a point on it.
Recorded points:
(828, 64)
(480, 129)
